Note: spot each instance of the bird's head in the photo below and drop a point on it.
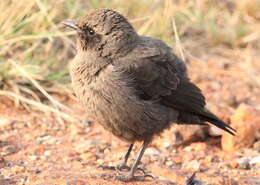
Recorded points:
(104, 31)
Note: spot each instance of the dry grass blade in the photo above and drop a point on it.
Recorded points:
(39, 87)
(55, 103)
(38, 105)
(34, 37)
(178, 42)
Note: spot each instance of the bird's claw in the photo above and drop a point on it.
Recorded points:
(119, 168)
(123, 167)
(128, 168)
(129, 178)
(107, 167)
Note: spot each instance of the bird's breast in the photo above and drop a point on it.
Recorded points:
(111, 100)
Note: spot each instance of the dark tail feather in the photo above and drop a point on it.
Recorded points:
(221, 124)
(210, 117)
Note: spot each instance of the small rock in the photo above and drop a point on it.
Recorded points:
(215, 131)
(152, 151)
(255, 161)
(233, 164)
(2, 162)
(6, 173)
(177, 160)
(253, 180)
(199, 146)
(33, 157)
(188, 149)
(76, 182)
(192, 165)
(208, 159)
(169, 163)
(47, 153)
(87, 156)
(257, 146)
(87, 145)
(164, 181)
(188, 134)
(18, 169)
(42, 139)
(245, 121)
(36, 171)
(243, 163)
(75, 129)
(4, 123)
(166, 144)
(100, 161)
(9, 149)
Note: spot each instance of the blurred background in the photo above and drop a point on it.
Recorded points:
(218, 39)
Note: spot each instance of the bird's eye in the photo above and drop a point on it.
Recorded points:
(91, 31)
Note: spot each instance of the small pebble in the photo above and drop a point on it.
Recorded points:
(166, 144)
(215, 131)
(152, 151)
(100, 161)
(199, 146)
(42, 139)
(177, 160)
(76, 182)
(169, 163)
(233, 164)
(47, 153)
(2, 162)
(4, 123)
(243, 163)
(192, 165)
(255, 161)
(9, 149)
(257, 146)
(188, 149)
(18, 169)
(36, 171)
(208, 159)
(33, 157)
(87, 156)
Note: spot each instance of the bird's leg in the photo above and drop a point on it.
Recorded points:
(130, 176)
(191, 180)
(123, 164)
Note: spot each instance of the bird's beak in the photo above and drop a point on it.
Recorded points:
(72, 25)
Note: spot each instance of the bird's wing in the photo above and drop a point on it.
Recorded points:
(161, 75)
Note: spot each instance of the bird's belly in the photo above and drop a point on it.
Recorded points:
(116, 107)
(107, 111)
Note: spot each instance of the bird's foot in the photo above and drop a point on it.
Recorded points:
(128, 178)
(107, 167)
(115, 168)
(119, 168)
(192, 180)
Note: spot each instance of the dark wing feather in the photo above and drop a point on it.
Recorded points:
(186, 97)
(161, 75)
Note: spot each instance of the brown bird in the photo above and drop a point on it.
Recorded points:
(133, 85)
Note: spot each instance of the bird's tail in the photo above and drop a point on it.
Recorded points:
(210, 117)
